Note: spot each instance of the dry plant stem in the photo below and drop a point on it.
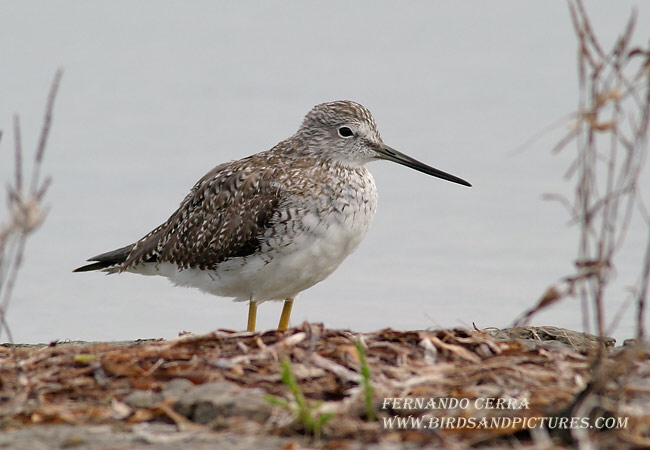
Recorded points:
(12, 237)
(25, 208)
(645, 274)
(18, 152)
(643, 293)
(45, 131)
(603, 206)
(610, 138)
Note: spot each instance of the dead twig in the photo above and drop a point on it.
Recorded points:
(610, 136)
(25, 207)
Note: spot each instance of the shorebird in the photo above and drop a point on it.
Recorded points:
(271, 225)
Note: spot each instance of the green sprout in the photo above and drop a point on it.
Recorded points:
(365, 382)
(302, 411)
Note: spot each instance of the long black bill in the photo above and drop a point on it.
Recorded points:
(390, 154)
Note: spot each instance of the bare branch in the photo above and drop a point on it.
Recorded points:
(26, 212)
(609, 138)
(45, 130)
(18, 152)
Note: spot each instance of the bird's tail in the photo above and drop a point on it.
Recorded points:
(109, 262)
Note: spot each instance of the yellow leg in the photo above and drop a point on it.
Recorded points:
(286, 314)
(252, 315)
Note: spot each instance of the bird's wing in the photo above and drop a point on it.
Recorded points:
(224, 216)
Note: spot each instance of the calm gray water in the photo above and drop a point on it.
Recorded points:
(157, 93)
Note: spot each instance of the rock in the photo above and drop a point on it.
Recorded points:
(176, 388)
(142, 399)
(205, 403)
(535, 337)
(148, 399)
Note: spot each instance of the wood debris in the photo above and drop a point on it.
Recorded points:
(99, 383)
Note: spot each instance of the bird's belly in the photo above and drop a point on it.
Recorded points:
(311, 257)
(284, 266)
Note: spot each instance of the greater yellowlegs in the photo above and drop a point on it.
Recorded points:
(269, 226)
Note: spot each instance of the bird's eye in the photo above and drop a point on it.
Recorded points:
(345, 132)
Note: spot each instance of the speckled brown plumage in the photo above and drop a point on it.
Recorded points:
(273, 224)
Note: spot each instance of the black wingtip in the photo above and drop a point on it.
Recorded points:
(91, 267)
(106, 260)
